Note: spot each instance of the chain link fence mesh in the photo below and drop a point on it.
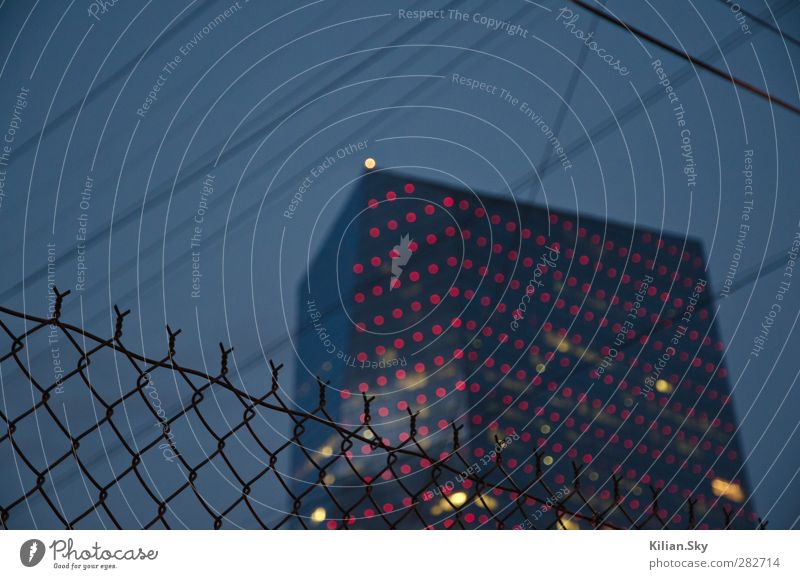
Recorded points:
(76, 452)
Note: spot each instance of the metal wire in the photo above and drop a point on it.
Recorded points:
(406, 474)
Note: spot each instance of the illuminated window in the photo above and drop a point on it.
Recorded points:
(455, 500)
(458, 498)
(318, 515)
(729, 490)
(568, 525)
(663, 386)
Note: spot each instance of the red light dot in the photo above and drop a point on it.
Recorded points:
(358, 268)
(411, 217)
(374, 232)
(409, 188)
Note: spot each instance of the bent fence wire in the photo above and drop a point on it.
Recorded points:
(62, 470)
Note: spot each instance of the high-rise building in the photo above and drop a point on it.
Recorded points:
(579, 339)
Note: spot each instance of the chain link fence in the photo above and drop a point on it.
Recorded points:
(89, 440)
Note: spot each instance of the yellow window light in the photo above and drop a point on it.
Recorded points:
(485, 502)
(568, 525)
(458, 498)
(455, 501)
(318, 515)
(369, 163)
(663, 386)
(727, 489)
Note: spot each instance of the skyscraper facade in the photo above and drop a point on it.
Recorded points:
(568, 339)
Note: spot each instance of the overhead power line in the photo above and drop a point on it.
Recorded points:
(762, 22)
(562, 109)
(686, 56)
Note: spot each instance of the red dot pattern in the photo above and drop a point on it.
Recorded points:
(574, 367)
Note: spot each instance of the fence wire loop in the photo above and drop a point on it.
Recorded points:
(268, 481)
